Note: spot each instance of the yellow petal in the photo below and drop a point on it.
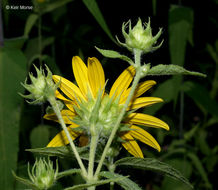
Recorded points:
(131, 145)
(66, 114)
(95, 75)
(146, 120)
(142, 102)
(68, 88)
(122, 83)
(67, 102)
(61, 139)
(144, 137)
(81, 75)
(141, 89)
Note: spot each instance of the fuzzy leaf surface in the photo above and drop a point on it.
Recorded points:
(172, 70)
(125, 183)
(154, 165)
(101, 182)
(114, 54)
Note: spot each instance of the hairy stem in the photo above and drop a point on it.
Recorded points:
(137, 55)
(93, 145)
(56, 109)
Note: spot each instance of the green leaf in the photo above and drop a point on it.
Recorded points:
(25, 181)
(15, 42)
(201, 97)
(36, 136)
(97, 183)
(213, 53)
(12, 73)
(172, 70)
(114, 54)
(180, 31)
(125, 183)
(31, 20)
(54, 5)
(154, 165)
(63, 152)
(180, 164)
(92, 6)
(198, 165)
(68, 172)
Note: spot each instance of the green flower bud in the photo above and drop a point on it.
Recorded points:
(139, 37)
(42, 174)
(42, 86)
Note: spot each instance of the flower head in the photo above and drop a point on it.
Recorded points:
(88, 104)
(43, 174)
(139, 37)
(42, 86)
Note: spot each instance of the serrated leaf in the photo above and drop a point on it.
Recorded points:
(68, 172)
(154, 165)
(126, 183)
(63, 152)
(172, 70)
(114, 54)
(101, 182)
(25, 181)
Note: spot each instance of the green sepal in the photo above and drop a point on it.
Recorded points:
(125, 183)
(153, 165)
(115, 54)
(172, 70)
(25, 181)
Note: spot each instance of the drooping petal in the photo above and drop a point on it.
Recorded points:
(131, 145)
(142, 102)
(68, 88)
(66, 114)
(95, 75)
(81, 75)
(141, 89)
(122, 83)
(144, 137)
(61, 139)
(146, 120)
(69, 103)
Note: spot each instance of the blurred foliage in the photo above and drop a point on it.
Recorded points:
(56, 30)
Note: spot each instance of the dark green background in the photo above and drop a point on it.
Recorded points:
(55, 31)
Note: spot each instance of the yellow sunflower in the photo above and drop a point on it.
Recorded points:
(90, 81)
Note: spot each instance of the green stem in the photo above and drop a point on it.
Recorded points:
(137, 55)
(56, 109)
(93, 145)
